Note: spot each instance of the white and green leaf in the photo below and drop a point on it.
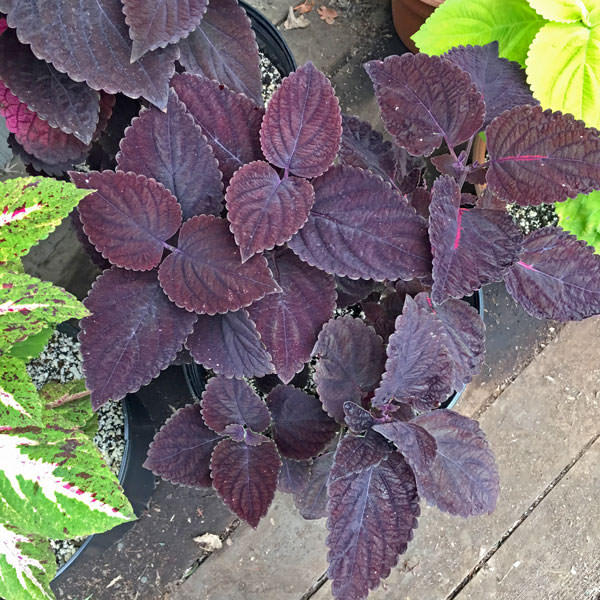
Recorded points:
(28, 304)
(68, 406)
(27, 565)
(33, 345)
(512, 23)
(57, 483)
(30, 209)
(563, 68)
(20, 404)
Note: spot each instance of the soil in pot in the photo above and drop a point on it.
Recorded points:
(61, 361)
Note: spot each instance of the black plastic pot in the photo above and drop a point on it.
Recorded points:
(137, 482)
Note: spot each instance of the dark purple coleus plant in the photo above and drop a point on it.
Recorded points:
(58, 60)
(261, 241)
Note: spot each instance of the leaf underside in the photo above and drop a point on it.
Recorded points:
(294, 475)
(311, 501)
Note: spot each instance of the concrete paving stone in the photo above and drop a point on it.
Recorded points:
(536, 428)
(555, 553)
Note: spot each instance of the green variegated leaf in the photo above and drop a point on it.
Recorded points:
(30, 208)
(581, 216)
(513, 23)
(27, 305)
(27, 565)
(33, 345)
(68, 405)
(20, 405)
(58, 485)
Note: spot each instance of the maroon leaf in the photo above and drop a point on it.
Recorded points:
(418, 447)
(373, 509)
(233, 402)
(418, 370)
(312, 500)
(424, 100)
(230, 121)
(420, 200)
(246, 477)
(129, 218)
(171, 148)
(539, 156)
(501, 82)
(53, 169)
(90, 42)
(229, 345)
(360, 227)
(264, 210)
(300, 427)
(181, 450)
(357, 418)
(557, 276)
(463, 477)
(466, 335)
(224, 48)
(364, 147)
(381, 315)
(303, 124)
(350, 361)
(290, 322)
(133, 333)
(294, 475)
(156, 23)
(471, 247)
(45, 143)
(71, 106)
(205, 273)
(3, 25)
(352, 291)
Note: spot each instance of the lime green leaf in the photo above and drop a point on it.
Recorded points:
(581, 216)
(68, 405)
(563, 69)
(27, 565)
(13, 266)
(30, 209)
(513, 23)
(563, 11)
(58, 485)
(27, 305)
(20, 405)
(33, 345)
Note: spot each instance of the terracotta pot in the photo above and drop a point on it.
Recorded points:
(408, 17)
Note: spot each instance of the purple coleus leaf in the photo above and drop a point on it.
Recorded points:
(71, 106)
(229, 345)
(364, 147)
(352, 291)
(230, 121)
(94, 47)
(302, 127)
(54, 169)
(156, 23)
(264, 210)
(471, 247)
(360, 227)
(381, 315)
(465, 332)
(357, 418)
(289, 322)
(245, 476)
(127, 301)
(425, 100)
(128, 218)
(557, 276)
(369, 526)
(182, 448)
(311, 501)
(350, 361)
(541, 156)
(172, 149)
(419, 370)
(205, 273)
(233, 402)
(293, 476)
(224, 48)
(502, 82)
(462, 479)
(300, 428)
(47, 144)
